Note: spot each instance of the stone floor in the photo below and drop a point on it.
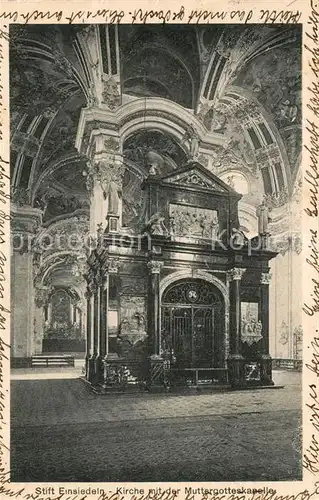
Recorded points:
(63, 432)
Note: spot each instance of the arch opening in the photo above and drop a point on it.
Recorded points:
(193, 325)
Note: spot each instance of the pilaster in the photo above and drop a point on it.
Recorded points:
(265, 364)
(25, 319)
(235, 360)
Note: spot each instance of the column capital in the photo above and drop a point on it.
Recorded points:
(155, 266)
(236, 273)
(92, 285)
(41, 295)
(25, 219)
(112, 266)
(99, 277)
(265, 278)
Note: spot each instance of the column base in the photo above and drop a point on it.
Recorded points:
(236, 371)
(94, 369)
(158, 380)
(89, 367)
(266, 370)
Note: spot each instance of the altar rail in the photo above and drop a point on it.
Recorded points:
(287, 364)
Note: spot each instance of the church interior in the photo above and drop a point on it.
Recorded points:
(155, 200)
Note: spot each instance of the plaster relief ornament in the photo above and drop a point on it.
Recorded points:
(279, 199)
(191, 222)
(251, 326)
(91, 97)
(113, 265)
(191, 138)
(20, 196)
(111, 145)
(89, 177)
(80, 267)
(42, 294)
(110, 93)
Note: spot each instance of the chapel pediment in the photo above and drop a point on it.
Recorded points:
(194, 175)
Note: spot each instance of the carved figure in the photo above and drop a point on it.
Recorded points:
(156, 225)
(114, 192)
(215, 229)
(192, 137)
(111, 178)
(172, 225)
(153, 170)
(262, 213)
(238, 237)
(259, 328)
(287, 111)
(206, 226)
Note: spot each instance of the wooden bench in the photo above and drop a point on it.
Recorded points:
(52, 360)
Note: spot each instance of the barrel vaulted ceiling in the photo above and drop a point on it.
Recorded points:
(242, 83)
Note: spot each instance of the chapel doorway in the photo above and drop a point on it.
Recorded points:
(64, 330)
(192, 327)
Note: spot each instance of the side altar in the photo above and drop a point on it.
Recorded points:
(183, 301)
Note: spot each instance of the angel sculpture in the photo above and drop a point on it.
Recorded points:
(156, 225)
(191, 137)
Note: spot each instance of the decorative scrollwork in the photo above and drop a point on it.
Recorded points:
(155, 266)
(191, 292)
(236, 273)
(265, 278)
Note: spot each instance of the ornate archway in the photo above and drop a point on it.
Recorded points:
(192, 323)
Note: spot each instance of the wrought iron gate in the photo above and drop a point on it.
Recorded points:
(191, 324)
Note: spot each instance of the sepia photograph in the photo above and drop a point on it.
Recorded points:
(156, 267)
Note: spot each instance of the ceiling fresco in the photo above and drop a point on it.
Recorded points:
(242, 83)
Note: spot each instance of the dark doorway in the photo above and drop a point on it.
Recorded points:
(193, 319)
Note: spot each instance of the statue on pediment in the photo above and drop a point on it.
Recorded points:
(238, 237)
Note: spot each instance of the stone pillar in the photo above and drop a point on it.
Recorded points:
(266, 362)
(96, 330)
(25, 223)
(41, 299)
(103, 317)
(88, 296)
(236, 368)
(112, 267)
(157, 374)
(154, 309)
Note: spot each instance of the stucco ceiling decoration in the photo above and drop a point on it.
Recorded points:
(238, 86)
(258, 109)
